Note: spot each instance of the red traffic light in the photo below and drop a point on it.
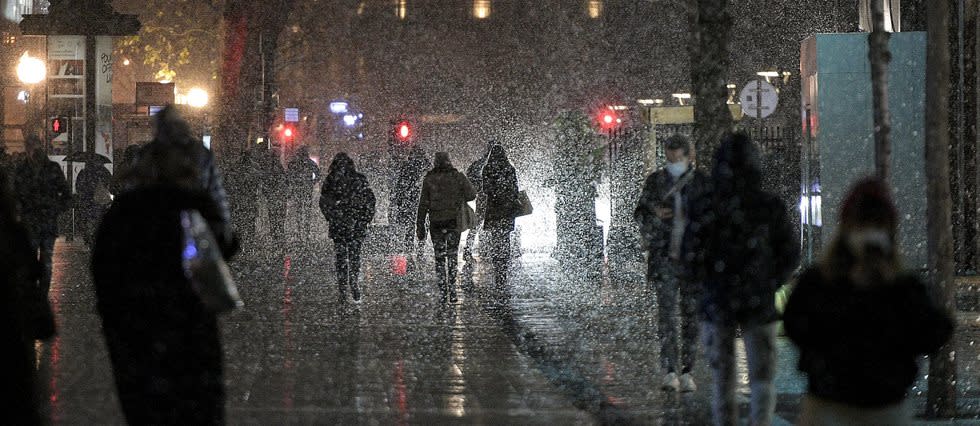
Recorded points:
(609, 119)
(403, 131)
(288, 132)
(59, 125)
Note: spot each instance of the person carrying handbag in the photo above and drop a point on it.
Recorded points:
(445, 191)
(503, 205)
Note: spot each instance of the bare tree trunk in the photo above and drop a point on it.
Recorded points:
(711, 25)
(879, 56)
(942, 365)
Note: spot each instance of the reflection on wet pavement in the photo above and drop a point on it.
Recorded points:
(551, 349)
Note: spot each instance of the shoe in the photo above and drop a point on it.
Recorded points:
(671, 382)
(687, 383)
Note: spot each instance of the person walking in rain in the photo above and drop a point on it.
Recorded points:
(475, 174)
(163, 342)
(663, 213)
(302, 173)
(347, 203)
(93, 194)
(444, 192)
(405, 193)
(860, 321)
(271, 179)
(26, 315)
(500, 187)
(745, 250)
(42, 194)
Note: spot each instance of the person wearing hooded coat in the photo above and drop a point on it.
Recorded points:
(861, 322)
(23, 306)
(444, 191)
(163, 343)
(503, 205)
(302, 173)
(348, 205)
(744, 249)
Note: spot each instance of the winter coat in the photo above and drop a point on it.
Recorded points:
(656, 232)
(743, 247)
(444, 191)
(348, 204)
(42, 193)
(20, 298)
(859, 346)
(500, 187)
(164, 344)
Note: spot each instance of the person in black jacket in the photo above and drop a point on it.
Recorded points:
(663, 213)
(347, 203)
(42, 193)
(302, 173)
(444, 191)
(860, 321)
(164, 344)
(23, 305)
(93, 188)
(745, 249)
(500, 187)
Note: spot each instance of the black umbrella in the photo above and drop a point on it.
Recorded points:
(84, 157)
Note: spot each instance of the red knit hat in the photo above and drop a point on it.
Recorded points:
(869, 202)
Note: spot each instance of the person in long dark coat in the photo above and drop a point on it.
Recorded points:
(348, 204)
(444, 191)
(500, 188)
(22, 303)
(744, 250)
(42, 193)
(860, 321)
(163, 343)
(475, 174)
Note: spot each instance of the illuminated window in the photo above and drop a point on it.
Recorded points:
(595, 8)
(8, 39)
(401, 9)
(481, 9)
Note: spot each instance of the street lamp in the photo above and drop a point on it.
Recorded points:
(197, 98)
(30, 70)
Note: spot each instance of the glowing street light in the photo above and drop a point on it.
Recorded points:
(197, 97)
(30, 70)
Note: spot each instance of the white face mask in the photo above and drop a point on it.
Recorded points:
(862, 239)
(677, 169)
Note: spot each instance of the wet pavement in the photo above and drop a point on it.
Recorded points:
(558, 349)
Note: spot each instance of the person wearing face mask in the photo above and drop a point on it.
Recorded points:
(662, 212)
(861, 322)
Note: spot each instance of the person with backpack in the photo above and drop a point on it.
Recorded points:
(445, 191)
(861, 322)
(347, 203)
(663, 213)
(744, 250)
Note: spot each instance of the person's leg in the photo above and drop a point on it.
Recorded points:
(439, 246)
(719, 344)
(46, 247)
(667, 301)
(452, 262)
(354, 257)
(340, 248)
(760, 349)
(689, 298)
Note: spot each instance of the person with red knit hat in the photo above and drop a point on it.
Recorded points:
(860, 321)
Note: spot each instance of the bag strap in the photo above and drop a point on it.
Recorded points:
(680, 184)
